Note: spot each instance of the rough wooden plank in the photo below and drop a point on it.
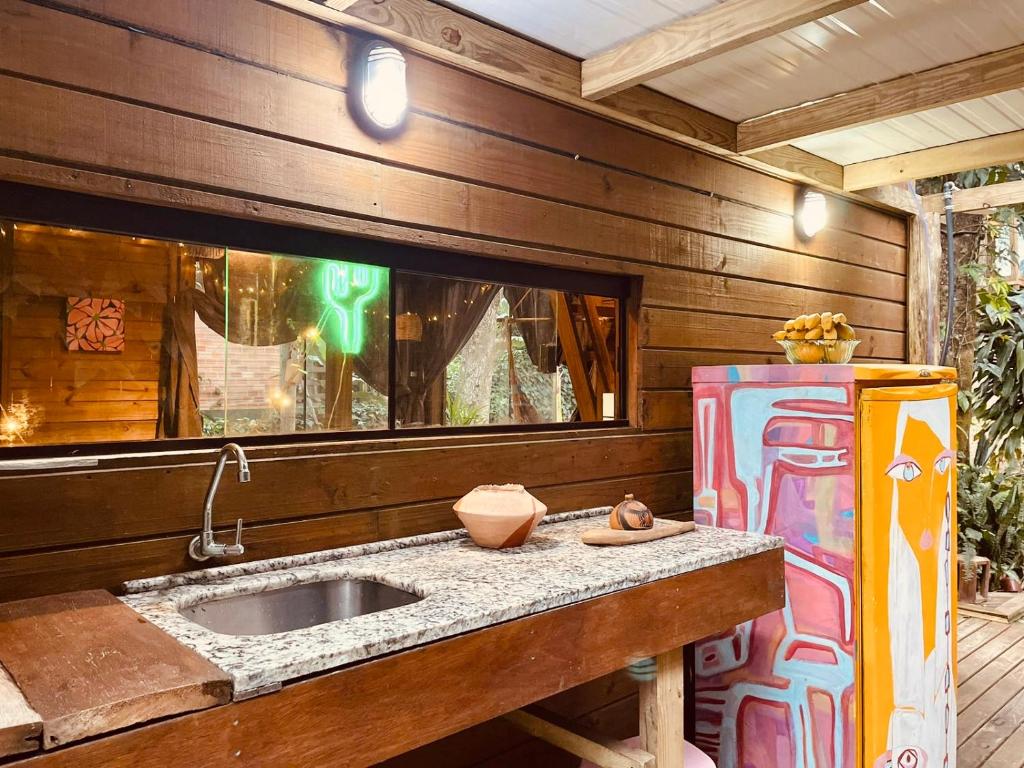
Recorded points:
(21, 727)
(418, 696)
(88, 664)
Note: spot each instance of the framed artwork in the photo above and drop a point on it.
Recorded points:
(95, 325)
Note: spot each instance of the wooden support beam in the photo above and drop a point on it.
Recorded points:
(579, 740)
(662, 711)
(721, 28)
(979, 199)
(441, 34)
(605, 366)
(936, 161)
(573, 351)
(949, 84)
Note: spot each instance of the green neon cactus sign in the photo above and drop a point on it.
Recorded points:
(347, 289)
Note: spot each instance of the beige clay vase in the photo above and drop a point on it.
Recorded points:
(499, 516)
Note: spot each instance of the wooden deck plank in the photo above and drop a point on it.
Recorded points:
(989, 652)
(980, 638)
(1001, 724)
(968, 692)
(1010, 753)
(969, 626)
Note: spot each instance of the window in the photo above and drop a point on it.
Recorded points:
(133, 338)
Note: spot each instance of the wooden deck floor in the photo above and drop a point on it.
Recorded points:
(990, 726)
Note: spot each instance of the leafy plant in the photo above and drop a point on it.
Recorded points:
(459, 413)
(991, 515)
(997, 397)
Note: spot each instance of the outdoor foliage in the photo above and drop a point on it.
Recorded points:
(991, 513)
(997, 398)
(990, 485)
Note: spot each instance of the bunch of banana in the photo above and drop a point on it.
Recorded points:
(824, 326)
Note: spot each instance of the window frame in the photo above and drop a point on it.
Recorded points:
(61, 208)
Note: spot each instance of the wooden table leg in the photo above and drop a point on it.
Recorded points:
(661, 711)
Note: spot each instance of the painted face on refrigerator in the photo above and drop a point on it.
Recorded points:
(919, 472)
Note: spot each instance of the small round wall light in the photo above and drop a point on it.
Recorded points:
(378, 96)
(811, 213)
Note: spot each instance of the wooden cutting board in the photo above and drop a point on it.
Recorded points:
(609, 537)
(88, 664)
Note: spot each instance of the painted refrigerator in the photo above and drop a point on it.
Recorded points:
(854, 466)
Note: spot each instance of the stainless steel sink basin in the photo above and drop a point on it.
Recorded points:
(297, 607)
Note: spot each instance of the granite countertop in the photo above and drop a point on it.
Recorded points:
(463, 588)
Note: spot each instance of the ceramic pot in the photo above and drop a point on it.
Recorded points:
(631, 515)
(499, 516)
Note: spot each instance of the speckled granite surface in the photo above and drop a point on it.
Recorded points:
(463, 586)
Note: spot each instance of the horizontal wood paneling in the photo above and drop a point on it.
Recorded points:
(239, 108)
(436, 91)
(106, 564)
(256, 126)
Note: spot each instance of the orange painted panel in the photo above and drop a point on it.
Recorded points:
(907, 514)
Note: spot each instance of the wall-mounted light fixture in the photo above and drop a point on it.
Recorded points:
(378, 96)
(811, 213)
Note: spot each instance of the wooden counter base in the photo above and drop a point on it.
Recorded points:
(369, 712)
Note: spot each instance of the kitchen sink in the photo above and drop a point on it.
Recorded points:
(297, 607)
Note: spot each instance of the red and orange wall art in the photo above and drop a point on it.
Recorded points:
(95, 325)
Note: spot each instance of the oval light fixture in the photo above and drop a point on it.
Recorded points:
(812, 213)
(377, 91)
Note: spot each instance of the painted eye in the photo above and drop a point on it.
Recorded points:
(906, 470)
(942, 464)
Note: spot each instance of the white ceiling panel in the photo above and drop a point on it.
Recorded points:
(947, 125)
(870, 43)
(581, 28)
(867, 44)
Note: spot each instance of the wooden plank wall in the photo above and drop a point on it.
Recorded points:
(83, 396)
(238, 107)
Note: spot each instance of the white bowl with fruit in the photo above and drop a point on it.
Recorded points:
(822, 337)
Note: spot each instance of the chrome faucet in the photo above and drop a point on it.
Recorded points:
(204, 546)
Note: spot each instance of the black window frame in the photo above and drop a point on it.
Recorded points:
(76, 210)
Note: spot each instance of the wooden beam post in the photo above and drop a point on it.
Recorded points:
(721, 28)
(662, 711)
(925, 258)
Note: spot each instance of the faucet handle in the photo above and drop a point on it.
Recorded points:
(236, 549)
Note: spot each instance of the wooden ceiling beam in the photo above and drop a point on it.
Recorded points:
(722, 28)
(936, 161)
(979, 199)
(939, 87)
(438, 33)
